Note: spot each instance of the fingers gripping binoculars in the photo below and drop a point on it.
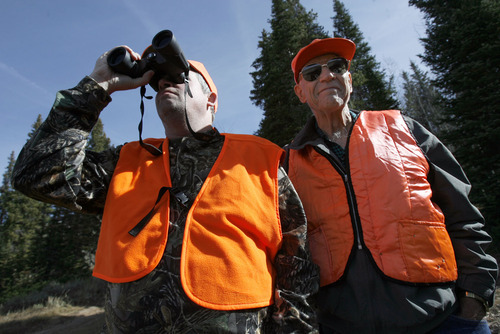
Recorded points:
(164, 57)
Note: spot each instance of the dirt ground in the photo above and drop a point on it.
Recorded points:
(90, 320)
(67, 320)
(86, 321)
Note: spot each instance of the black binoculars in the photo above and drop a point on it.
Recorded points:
(164, 56)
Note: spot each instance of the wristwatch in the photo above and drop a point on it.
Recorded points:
(469, 294)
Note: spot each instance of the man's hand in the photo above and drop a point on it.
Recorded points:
(471, 308)
(112, 81)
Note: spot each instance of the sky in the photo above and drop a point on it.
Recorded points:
(51, 45)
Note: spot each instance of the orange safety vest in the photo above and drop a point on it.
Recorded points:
(232, 231)
(398, 222)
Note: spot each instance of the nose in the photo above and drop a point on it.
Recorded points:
(326, 74)
(164, 83)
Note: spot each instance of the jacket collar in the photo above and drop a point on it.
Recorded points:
(309, 136)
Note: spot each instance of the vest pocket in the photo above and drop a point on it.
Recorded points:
(427, 253)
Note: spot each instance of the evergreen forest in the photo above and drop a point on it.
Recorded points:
(458, 99)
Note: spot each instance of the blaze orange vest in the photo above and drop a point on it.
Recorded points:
(399, 224)
(232, 231)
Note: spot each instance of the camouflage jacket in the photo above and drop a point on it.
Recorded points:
(55, 167)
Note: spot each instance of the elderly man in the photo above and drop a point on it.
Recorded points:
(202, 232)
(400, 247)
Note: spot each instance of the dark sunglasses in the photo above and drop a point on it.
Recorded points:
(336, 65)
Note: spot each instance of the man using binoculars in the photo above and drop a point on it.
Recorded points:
(202, 232)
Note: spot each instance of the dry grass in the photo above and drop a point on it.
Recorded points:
(76, 304)
(57, 315)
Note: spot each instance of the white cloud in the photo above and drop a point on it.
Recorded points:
(24, 82)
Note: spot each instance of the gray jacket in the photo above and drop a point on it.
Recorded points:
(366, 301)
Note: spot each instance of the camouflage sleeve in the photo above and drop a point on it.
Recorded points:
(54, 166)
(297, 279)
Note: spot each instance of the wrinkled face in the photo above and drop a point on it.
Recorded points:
(329, 93)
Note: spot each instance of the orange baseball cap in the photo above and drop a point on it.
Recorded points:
(342, 47)
(200, 68)
(196, 66)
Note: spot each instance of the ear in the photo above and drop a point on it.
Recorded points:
(350, 83)
(299, 93)
(212, 98)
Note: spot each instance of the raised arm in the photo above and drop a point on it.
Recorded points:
(54, 165)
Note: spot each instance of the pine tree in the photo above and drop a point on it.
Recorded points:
(371, 89)
(70, 240)
(98, 140)
(462, 50)
(422, 100)
(39, 242)
(21, 219)
(35, 126)
(291, 29)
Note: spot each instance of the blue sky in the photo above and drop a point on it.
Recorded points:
(50, 45)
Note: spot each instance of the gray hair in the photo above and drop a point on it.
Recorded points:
(204, 87)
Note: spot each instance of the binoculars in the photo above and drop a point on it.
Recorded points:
(164, 56)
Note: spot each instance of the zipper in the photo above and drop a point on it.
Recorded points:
(354, 212)
(343, 172)
(351, 199)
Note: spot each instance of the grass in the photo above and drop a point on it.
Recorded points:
(78, 303)
(86, 292)
(54, 317)
(76, 308)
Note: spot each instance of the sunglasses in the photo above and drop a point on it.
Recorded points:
(336, 65)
